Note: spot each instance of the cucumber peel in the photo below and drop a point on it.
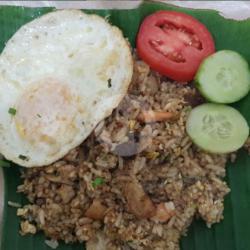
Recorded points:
(217, 128)
(223, 77)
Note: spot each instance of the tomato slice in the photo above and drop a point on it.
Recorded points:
(174, 44)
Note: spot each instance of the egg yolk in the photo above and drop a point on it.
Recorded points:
(47, 114)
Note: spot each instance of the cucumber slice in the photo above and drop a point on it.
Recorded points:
(223, 77)
(217, 128)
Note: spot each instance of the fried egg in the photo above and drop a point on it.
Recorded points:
(60, 75)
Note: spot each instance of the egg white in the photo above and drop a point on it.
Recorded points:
(62, 73)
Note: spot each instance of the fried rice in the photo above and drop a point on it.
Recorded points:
(132, 184)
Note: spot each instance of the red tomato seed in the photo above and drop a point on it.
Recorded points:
(174, 44)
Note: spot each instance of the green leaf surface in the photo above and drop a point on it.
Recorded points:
(233, 233)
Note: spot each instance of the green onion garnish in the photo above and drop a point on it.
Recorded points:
(12, 111)
(109, 83)
(97, 182)
(23, 157)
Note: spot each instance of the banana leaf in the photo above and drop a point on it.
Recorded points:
(233, 233)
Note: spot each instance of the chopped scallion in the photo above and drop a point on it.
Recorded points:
(23, 157)
(109, 83)
(97, 182)
(12, 111)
